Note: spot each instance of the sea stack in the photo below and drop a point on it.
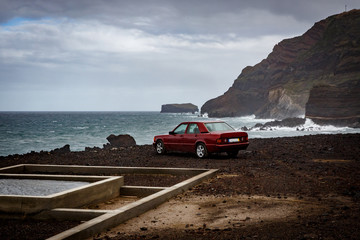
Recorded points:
(179, 108)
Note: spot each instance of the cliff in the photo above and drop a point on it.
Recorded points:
(179, 108)
(279, 86)
(335, 105)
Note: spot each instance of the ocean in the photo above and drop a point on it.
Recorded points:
(23, 132)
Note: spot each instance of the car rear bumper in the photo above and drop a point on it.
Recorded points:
(228, 147)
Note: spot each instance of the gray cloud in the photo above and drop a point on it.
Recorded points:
(188, 16)
(137, 55)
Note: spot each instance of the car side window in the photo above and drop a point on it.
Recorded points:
(193, 128)
(181, 129)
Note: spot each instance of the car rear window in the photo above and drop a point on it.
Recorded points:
(218, 126)
(193, 128)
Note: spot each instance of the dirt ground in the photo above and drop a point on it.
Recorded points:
(205, 214)
(280, 188)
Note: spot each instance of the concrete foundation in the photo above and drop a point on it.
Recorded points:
(65, 205)
(99, 189)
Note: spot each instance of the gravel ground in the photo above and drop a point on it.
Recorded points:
(313, 180)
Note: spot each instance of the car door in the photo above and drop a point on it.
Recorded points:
(190, 137)
(176, 138)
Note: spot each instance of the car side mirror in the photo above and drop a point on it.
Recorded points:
(171, 133)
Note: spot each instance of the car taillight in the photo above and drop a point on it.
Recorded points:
(244, 139)
(221, 140)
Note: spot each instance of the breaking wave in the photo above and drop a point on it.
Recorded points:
(309, 125)
(308, 128)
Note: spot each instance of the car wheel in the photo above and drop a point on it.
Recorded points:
(232, 154)
(160, 148)
(201, 151)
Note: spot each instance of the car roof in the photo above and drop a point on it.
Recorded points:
(215, 121)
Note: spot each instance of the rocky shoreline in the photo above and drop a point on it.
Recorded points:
(298, 123)
(317, 175)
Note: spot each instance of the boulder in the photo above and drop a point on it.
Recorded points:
(62, 150)
(122, 140)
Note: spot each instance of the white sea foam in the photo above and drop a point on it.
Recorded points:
(308, 126)
(205, 115)
(80, 128)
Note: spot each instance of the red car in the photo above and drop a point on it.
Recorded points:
(202, 138)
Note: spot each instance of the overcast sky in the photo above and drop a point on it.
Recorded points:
(135, 55)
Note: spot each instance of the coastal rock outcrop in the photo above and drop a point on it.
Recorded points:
(287, 122)
(179, 108)
(62, 150)
(279, 86)
(335, 105)
(122, 140)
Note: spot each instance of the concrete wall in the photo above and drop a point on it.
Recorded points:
(101, 189)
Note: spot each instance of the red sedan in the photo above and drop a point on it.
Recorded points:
(202, 138)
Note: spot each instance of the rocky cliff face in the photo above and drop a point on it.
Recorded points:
(179, 108)
(335, 105)
(279, 86)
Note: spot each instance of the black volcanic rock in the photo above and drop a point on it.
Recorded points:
(179, 108)
(335, 105)
(279, 86)
(62, 150)
(287, 122)
(122, 140)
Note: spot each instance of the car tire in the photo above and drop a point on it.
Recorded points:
(159, 147)
(233, 154)
(201, 151)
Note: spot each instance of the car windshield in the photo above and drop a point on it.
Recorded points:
(218, 126)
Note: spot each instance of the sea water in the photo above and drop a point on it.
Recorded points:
(23, 132)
